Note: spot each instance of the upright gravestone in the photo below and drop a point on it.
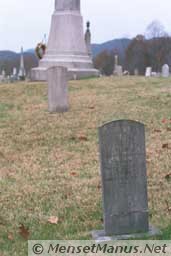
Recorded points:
(124, 181)
(136, 72)
(57, 89)
(119, 70)
(165, 71)
(148, 72)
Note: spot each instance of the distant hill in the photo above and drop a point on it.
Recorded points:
(119, 45)
(10, 59)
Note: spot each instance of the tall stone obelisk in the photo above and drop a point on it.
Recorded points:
(66, 45)
(22, 72)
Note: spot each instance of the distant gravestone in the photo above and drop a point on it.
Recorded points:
(3, 73)
(119, 70)
(148, 72)
(57, 89)
(165, 71)
(154, 74)
(124, 181)
(136, 72)
(14, 72)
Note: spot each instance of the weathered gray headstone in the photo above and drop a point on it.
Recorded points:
(165, 70)
(57, 89)
(123, 169)
(124, 181)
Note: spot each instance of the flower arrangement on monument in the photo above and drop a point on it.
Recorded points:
(40, 50)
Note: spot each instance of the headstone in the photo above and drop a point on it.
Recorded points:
(119, 70)
(136, 72)
(57, 89)
(66, 44)
(124, 180)
(148, 72)
(14, 72)
(165, 71)
(154, 74)
(3, 73)
(126, 73)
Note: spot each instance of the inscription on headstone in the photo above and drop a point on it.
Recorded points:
(124, 181)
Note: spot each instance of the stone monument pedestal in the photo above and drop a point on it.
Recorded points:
(100, 235)
(66, 45)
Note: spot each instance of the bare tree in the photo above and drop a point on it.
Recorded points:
(155, 30)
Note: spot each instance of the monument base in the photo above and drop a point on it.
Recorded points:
(40, 73)
(100, 236)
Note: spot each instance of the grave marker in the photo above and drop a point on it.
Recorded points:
(57, 89)
(124, 180)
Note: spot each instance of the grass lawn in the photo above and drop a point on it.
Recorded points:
(49, 162)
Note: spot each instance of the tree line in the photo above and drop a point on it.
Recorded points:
(152, 49)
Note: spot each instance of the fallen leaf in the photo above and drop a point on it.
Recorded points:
(73, 174)
(53, 220)
(24, 232)
(99, 186)
(164, 121)
(82, 137)
(157, 130)
(165, 145)
(168, 176)
(168, 129)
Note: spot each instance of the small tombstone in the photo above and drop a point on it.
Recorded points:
(165, 71)
(14, 72)
(57, 89)
(136, 72)
(154, 74)
(75, 76)
(148, 72)
(124, 181)
(3, 73)
(126, 73)
(119, 70)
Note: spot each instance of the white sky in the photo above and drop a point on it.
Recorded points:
(25, 22)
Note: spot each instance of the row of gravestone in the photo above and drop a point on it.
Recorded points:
(118, 71)
(165, 72)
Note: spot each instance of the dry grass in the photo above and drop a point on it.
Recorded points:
(49, 162)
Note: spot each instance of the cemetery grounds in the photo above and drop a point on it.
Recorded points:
(50, 184)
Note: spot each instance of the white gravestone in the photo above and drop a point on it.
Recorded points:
(165, 70)
(148, 72)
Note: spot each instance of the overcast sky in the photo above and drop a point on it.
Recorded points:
(25, 22)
